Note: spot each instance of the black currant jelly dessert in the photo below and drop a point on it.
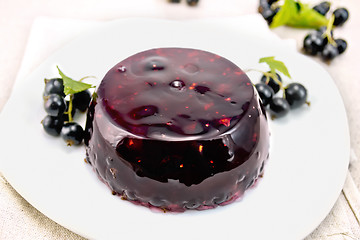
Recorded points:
(177, 129)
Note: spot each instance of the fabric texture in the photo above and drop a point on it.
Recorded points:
(19, 220)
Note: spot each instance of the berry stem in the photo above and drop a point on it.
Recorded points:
(83, 78)
(70, 108)
(327, 33)
(268, 75)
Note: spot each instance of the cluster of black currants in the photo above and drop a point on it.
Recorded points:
(268, 10)
(322, 42)
(61, 111)
(189, 2)
(294, 95)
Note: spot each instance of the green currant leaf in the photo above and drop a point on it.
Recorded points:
(286, 12)
(71, 86)
(307, 18)
(297, 14)
(275, 65)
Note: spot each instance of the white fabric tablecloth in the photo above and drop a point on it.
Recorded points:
(19, 220)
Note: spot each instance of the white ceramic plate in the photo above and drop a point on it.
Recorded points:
(304, 177)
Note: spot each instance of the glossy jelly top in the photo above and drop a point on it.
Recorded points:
(177, 129)
(175, 92)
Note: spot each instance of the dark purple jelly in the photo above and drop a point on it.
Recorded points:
(177, 129)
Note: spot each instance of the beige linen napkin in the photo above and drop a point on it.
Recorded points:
(19, 220)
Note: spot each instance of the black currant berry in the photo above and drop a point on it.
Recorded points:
(272, 83)
(263, 4)
(278, 107)
(55, 105)
(295, 95)
(52, 125)
(314, 43)
(174, 1)
(329, 52)
(82, 100)
(341, 16)
(72, 133)
(272, 1)
(269, 14)
(341, 45)
(322, 8)
(266, 93)
(192, 2)
(54, 85)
